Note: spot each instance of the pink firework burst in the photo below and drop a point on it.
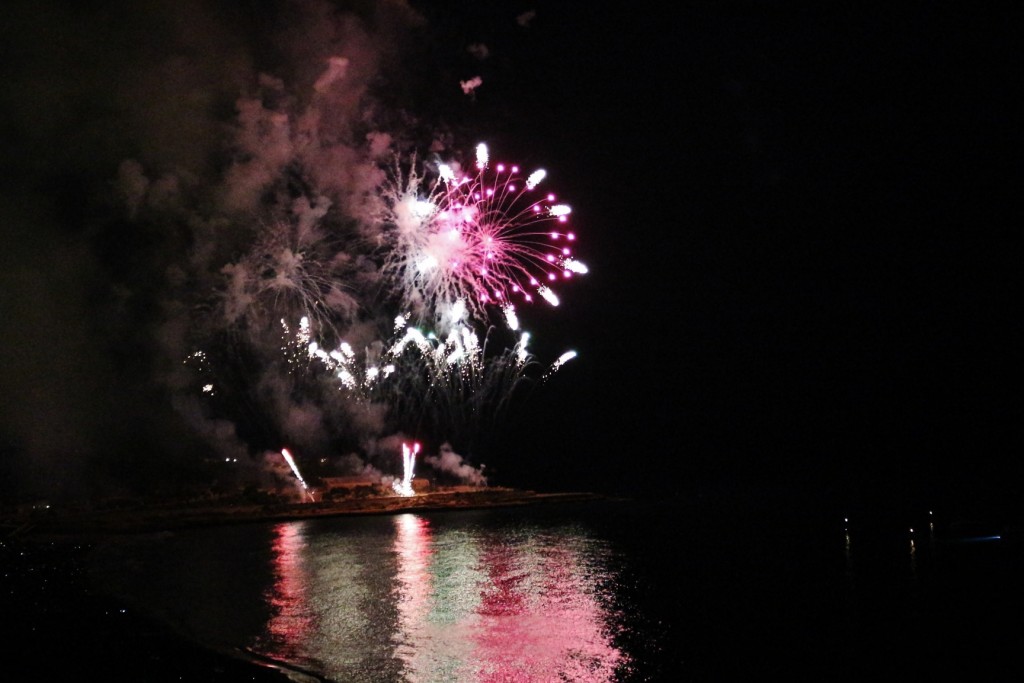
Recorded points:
(481, 239)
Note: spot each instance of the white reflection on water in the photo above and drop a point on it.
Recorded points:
(442, 604)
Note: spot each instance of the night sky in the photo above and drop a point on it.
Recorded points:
(802, 229)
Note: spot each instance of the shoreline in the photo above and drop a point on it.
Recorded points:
(167, 517)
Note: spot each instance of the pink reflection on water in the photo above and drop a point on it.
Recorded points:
(291, 623)
(542, 619)
(503, 594)
(489, 610)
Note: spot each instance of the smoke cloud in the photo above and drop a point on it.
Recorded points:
(451, 464)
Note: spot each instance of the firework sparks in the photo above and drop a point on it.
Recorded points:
(452, 384)
(404, 487)
(486, 239)
(559, 362)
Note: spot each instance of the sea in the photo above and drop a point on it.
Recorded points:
(603, 590)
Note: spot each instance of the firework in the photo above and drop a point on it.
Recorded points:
(299, 228)
(485, 239)
(455, 386)
(463, 252)
(429, 372)
(404, 487)
(290, 270)
(295, 469)
(359, 374)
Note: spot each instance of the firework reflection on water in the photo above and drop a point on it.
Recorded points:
(410, 597)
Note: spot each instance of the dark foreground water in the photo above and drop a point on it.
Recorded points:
(605, 591)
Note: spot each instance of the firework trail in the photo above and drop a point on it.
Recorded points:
(453, 386)
(295, 469)
(359, 375)
(491, 238)
(404, 487)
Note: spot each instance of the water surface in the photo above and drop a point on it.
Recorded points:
(598, 591)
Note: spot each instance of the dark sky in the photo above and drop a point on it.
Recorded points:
(804, 234)
(801, 226)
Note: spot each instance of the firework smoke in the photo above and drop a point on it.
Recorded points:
(451, 464)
